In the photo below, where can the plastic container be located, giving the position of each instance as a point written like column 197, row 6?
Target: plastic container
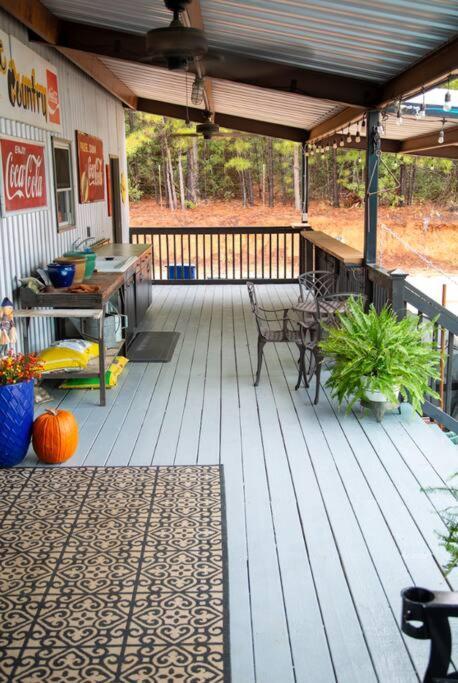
column 61, row 275
column 90, row 260
column 80, row 266
column 180, row 272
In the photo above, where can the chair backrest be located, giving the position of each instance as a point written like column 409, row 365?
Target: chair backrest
column 316, row 283
column 327, row 309
column 253, row 302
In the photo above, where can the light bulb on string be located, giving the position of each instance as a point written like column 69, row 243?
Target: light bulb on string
column 363, row 124
column 441, row 137
column 341, row 143
column 359, row 158
column 358, row 134
column 421, row 113
column 448, row 98
column 334, row 144
column 327, row 147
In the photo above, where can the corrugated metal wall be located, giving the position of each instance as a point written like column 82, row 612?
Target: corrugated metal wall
column 30, row 239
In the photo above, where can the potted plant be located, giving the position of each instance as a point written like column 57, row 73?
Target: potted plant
column 377, row 357
column 17, row 375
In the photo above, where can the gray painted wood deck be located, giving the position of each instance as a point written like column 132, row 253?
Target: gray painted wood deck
column 327, row 518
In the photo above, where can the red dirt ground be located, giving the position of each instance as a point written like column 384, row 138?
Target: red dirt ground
column 429, row 230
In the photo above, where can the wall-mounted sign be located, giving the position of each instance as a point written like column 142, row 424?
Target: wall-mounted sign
column 29, row 86
column 90, row 168
column 23, row 175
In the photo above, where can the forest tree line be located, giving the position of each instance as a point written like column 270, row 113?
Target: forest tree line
column 180, row 171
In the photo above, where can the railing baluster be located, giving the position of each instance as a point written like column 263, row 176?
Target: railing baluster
column 241, row 257
column 219, row 256
column 160, row 257
column 262, row 255
column 248, row 255
column 168, row 257
column 197, row 256
column 449, row 374
column 205, row 255
column 153, row 257
column 233, row 256
column 270, row 255
column 293, row 239
column 256, row 256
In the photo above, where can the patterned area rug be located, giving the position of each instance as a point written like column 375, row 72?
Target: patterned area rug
column 113, row 574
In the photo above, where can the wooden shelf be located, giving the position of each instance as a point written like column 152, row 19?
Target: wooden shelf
column 341, row 251
column 92, row 368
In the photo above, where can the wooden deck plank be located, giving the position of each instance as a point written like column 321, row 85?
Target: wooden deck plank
column 167, row 441
column 144, row 448
column 210, row 428
column 187, row 449
column 310, row 651
column 242, row 629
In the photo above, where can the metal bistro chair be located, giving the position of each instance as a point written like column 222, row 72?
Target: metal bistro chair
column 313, row 284
column 311, row 359
column 264, row 317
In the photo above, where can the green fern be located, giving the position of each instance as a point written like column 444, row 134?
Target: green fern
column 377, row 352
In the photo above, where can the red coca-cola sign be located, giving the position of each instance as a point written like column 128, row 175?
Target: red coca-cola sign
column 24, row 175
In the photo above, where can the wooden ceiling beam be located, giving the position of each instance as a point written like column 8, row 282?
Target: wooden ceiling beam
column 226, row 66
column 429, row 71
column 178, row 111
column 37, row 18
column 422, row 143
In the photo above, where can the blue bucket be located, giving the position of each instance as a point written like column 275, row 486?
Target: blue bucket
column 180, row 272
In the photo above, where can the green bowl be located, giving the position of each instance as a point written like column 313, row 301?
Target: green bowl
column 90, row 260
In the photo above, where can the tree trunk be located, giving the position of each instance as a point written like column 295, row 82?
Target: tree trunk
column 243, row 187
column 249, row 187
column 413, row 177
column 192, row 175
column 402, row 184
column 270, row 172
column 335, row 183
column 173, row 193
column 263, row 185
column 181, row 180
column 297, row 179
column 159, row 183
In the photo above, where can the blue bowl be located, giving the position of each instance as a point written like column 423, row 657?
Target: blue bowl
column 61, row 274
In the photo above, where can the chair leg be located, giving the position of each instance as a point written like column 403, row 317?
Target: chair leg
column 261, row 343
column 301, row 368
column 317, row 379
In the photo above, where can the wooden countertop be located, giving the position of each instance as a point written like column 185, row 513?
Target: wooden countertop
column 108, row 283
column 331, row 245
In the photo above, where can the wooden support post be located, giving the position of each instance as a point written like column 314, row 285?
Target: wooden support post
column 398, row 278
column 371, row 188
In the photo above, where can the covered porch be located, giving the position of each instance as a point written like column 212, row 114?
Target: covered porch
column 327, row 519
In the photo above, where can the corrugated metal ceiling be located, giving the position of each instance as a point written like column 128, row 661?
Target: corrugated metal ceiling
column 230, row 98
column 375, row 39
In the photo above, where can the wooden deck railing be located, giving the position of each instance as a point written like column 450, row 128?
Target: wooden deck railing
column 222, row 255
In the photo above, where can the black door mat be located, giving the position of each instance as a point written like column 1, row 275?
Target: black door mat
column 152, row 347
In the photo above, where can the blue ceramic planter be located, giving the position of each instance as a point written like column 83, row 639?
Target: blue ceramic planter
column 16, row 420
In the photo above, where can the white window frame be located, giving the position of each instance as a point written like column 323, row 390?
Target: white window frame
column 62, row 143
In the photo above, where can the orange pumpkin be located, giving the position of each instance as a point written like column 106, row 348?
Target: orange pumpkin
column 55, row 436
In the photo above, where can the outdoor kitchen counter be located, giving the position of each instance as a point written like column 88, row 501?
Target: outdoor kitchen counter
column 108, row 282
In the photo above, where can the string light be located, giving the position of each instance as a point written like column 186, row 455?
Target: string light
column 441, row 137
column 334, row 144
column 399, row 114
column 327, row 147
column 341, row 143
column 358, row 134
column 363, row 125
column 448, row 98
column 421, row 113
column 359, row 160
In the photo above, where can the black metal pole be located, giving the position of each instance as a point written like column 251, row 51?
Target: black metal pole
column 304, row 185
column 371, row 187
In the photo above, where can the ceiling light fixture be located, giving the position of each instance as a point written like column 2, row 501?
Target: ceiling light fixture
column 448, row 98
column 197, row 92
column 441, row 137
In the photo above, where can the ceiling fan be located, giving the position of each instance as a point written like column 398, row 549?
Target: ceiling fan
column 176, row 44
column 180, row 47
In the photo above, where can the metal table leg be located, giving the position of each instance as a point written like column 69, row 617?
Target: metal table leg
column 103, row 390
